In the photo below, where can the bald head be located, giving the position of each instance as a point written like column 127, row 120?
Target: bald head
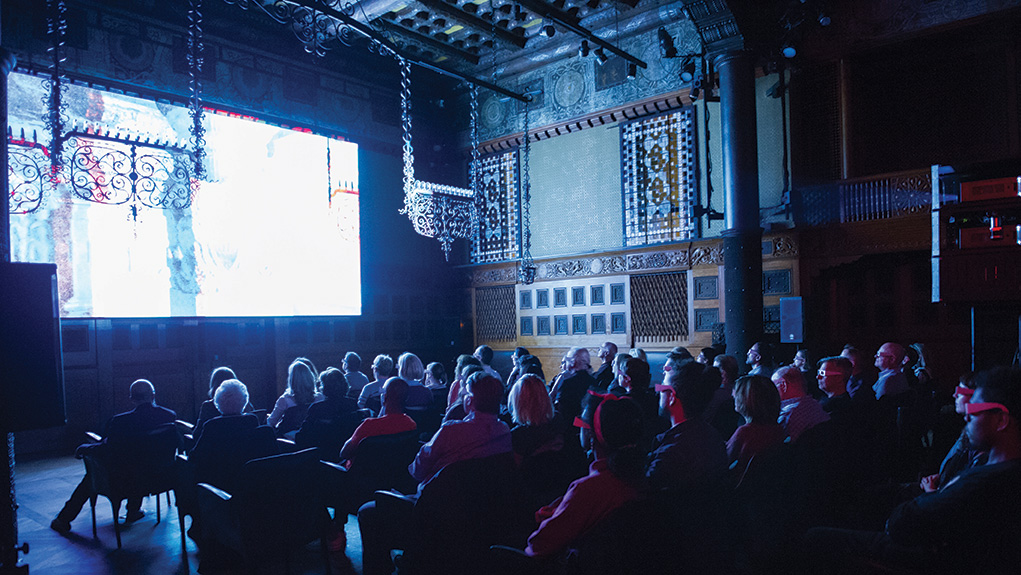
column 890, row 356
column 142, row 391
column 578, row 359
column 394, row 394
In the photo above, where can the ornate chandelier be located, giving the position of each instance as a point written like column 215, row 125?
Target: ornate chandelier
column 437, row 211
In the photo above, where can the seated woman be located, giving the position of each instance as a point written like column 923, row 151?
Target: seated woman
column 456, row 410
column 758, row 401
column 229, row 440
column 436, row 376
column 208, row 409
column 330, row 421
column 535, row 427
column 294, row 402
column 612, row 480
column 411, row 370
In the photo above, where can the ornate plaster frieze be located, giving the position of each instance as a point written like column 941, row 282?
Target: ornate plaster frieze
column 784, row 246
column 707, row 255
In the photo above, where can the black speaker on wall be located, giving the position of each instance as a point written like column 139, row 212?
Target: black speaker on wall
column 792, row 326
column 31, row 366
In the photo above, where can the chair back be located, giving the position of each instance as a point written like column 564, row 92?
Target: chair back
column 329, row 435
column 292, row 419
column 381, row 463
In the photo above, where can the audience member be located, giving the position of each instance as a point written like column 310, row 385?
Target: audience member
column 456, row 411
column 382, row 368
column 356, row 380
column 758, row 401
column 331, row 420
column 121, row 445
column 639, row 353
column 228, row 440
column 860, row 380
column 535, row 429
column 611, row 482
column 411, row 370
column 208, row 410
column 516, row 371
column 691, row 453
column 962, row 456
column 804, row 363
column 394, row 420
column 294, row 402
column 484, row 353
column 891, row 383
column 707, row 355
column 798, row 411
column 760, row 357
column 980, row 510
column 531, row 364
column 463, row 361
column 727, row 364
column 635, row 381
column 604, row 376
column 681, row 351
column 436, row 376
column 315, row 375
column 569, row 391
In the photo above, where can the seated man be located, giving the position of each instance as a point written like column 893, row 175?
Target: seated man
column 382, row 367
column 576, row 380
column 394, row 420
column 691, row 452
column 331, row 420
column 604, row 376
column 356, row 380
column 799, row 412
column 971, row 525
column 479, row 434
column 120, row 445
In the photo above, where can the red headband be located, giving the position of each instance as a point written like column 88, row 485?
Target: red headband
column 596, row 426
column 965, row 391
column 973, row 408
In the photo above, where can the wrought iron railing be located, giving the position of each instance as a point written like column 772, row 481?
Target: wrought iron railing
column 864, row 199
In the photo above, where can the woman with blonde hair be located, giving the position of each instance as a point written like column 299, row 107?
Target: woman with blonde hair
column 532, row 410
column 300, row 393
column 411, row 370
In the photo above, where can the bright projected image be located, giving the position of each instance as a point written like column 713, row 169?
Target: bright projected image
column 272, row 228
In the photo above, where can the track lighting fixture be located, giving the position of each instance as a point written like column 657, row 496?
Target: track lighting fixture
column 548, row 30
column 583, row 51
column 601, row 55
column 666, row 44
column 632, row 70
column 789, row 51
column 696, row 89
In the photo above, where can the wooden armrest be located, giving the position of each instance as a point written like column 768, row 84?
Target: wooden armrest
column 334, row 466
column 185, row 426
column 393, row 496
column 286, row 445
column 182, row 458
column 216, row 491
column 92, row 435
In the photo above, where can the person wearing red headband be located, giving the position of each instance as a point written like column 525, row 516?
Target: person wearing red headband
column 961, row 456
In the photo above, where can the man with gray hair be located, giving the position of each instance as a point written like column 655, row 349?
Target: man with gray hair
column 120, row 445
column 228, row 441
column 571, row 388
column 382, row 368
column 799, row 412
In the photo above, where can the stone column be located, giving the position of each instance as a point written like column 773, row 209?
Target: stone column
column 742, row 238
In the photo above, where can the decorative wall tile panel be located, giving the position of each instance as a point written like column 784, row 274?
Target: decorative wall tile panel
column 771, row 319
column 706, row 318
column 616, row 294
column 659, row 180
column 776, row 282
column 598, row 323
column 495, row 318
column 542, row 298
column 659, row 306
column 543, row 325
column 499, row 236
column 578, row 295
column 560, row 325
column 598, row 295
column 707, row 287
column 618, row 323
column 526, row 299
column 579, row 324
column 559, row 297
column 526, row 326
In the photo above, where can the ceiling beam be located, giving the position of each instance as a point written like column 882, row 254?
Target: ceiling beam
column 475, row 22
column 572, row 24
column 429, row 41
column 388, row 45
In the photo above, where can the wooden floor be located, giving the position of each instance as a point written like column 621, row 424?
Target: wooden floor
column 148, row 548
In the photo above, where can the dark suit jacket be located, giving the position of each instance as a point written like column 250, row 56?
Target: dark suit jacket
column 604, row 376
column 572, row 390
column 125, row 432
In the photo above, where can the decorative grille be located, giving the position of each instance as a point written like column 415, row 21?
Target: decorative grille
column 659, row 179
column 659, row 307
column 28, row 168
column 499, row 237
column 495, row 318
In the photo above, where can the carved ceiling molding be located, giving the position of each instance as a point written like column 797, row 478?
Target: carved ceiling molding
column 642, row 108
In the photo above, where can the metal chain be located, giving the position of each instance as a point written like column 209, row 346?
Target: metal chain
column 474, row 169
column 409, row 152
column 527, row 272
column 56, row 29
column 195, row 61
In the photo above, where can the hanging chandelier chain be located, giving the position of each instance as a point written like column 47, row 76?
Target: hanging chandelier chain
column 56, row 30
column 409, row 152
column 527, row 271
column 195, row 61
column 474, row 169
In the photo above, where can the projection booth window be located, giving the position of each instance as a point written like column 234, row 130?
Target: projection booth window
column 499, row 237
column 658, row 178
column 134, row 234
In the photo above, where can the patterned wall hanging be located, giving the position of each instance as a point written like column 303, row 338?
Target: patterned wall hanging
column 659, row 307
column 495, row 317
column 499, row 236
column 659, row 178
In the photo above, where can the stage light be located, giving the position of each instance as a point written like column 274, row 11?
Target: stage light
column 688, row 70
column 696, row 89
column 789, row 51
column 666, row 44
column 632, row 70
column 601, row 55
column 824, row 20
column 548, row 30
column 584, row 49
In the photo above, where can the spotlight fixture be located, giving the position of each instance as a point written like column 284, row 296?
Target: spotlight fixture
column 548, row 30
column 601, row 55
column 584, row 50
column 789, row 51
column 666, row 44
column 696, row 89
column 688, row 70
column 519, row 13
column 632, row 70
column 824, row 19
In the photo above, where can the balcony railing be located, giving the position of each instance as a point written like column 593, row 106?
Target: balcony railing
column 878, row 197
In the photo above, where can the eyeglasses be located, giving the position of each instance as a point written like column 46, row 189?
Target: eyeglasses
column 964, row 391
column 976, row 408
column 660, row 388
column 824, row 373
